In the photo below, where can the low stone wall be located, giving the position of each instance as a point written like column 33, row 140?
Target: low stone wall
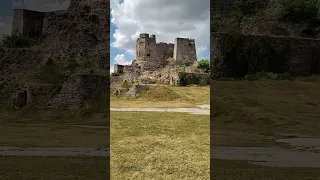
column 235, row 55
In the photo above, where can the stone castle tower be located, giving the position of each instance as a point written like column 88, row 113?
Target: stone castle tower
column 151, row 55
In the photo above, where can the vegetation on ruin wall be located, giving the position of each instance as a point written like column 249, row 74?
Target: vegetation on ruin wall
column 185, row 79
column 241, row 8
column 300, row 9
column 204, row 64
column 243, row 55
column 17, row 41
column 292, row 10
column 187, row 63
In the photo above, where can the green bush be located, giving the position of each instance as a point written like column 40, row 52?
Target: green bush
column 249, row 7
column 50, row 73
column 72, row 64
column 300, row 9
column 16, row 41
column 171, row 61
column 187, row 63
column 285, row 76
column 115, row 74
column 204, row 64
column 186, row 80
column 252, row 77
column 126, row 85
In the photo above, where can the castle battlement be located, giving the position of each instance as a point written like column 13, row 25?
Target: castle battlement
column 154, row 55
column 144, row 35
column 27, row 23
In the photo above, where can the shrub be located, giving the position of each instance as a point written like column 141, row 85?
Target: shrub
column 204, row 64
column 252, row 77
column 224, row 79
column 126, row 85
column 300, row 9
column 50, row 73
column 187, row 63
column 115, row 74
column 87, row 63
column 73, row 64
column 188, row 80
column 249, row 7
column 285, row 76
column 171, row 61
column 15, row 41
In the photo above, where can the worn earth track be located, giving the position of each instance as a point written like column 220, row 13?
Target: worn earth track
column 202, row 110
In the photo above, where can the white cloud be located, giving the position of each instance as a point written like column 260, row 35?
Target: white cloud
column 121, row 59
column 166, row 19
column 111, row 69
column 5, row 29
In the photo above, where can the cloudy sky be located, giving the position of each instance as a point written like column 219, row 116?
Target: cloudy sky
column 167, row 19
column 7, row 6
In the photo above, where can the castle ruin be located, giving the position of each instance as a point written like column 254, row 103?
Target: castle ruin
column 264, row 46
column 27, row 23
column 75, row 35
column 151, row 55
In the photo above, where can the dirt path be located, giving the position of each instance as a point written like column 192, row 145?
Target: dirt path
column 202, row 110
column 51, row 152
column 305, row 152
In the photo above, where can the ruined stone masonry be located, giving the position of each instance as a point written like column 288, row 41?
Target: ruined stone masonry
column 151, row 55
column 298, row 56
column 80, row 32
column 263, row 44
column 27, row 23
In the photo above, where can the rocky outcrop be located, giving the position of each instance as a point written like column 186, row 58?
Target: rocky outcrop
column 136, row 89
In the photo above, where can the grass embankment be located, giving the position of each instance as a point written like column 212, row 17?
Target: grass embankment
column 159, row 146
column 164, row 97
column 255, row 113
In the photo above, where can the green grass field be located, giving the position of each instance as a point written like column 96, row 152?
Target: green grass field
column 159, row 146
column 255, row 113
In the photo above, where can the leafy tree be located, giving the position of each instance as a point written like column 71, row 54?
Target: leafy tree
column 204, row 64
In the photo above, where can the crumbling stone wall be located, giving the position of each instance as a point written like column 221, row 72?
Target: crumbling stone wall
column 184, row 49
column 79, row 91
column 118, row 68
column 27, row 23
column 239, row 55
column 81, row 33
column 164, row 51
column 221, row 8
column 151, row 55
